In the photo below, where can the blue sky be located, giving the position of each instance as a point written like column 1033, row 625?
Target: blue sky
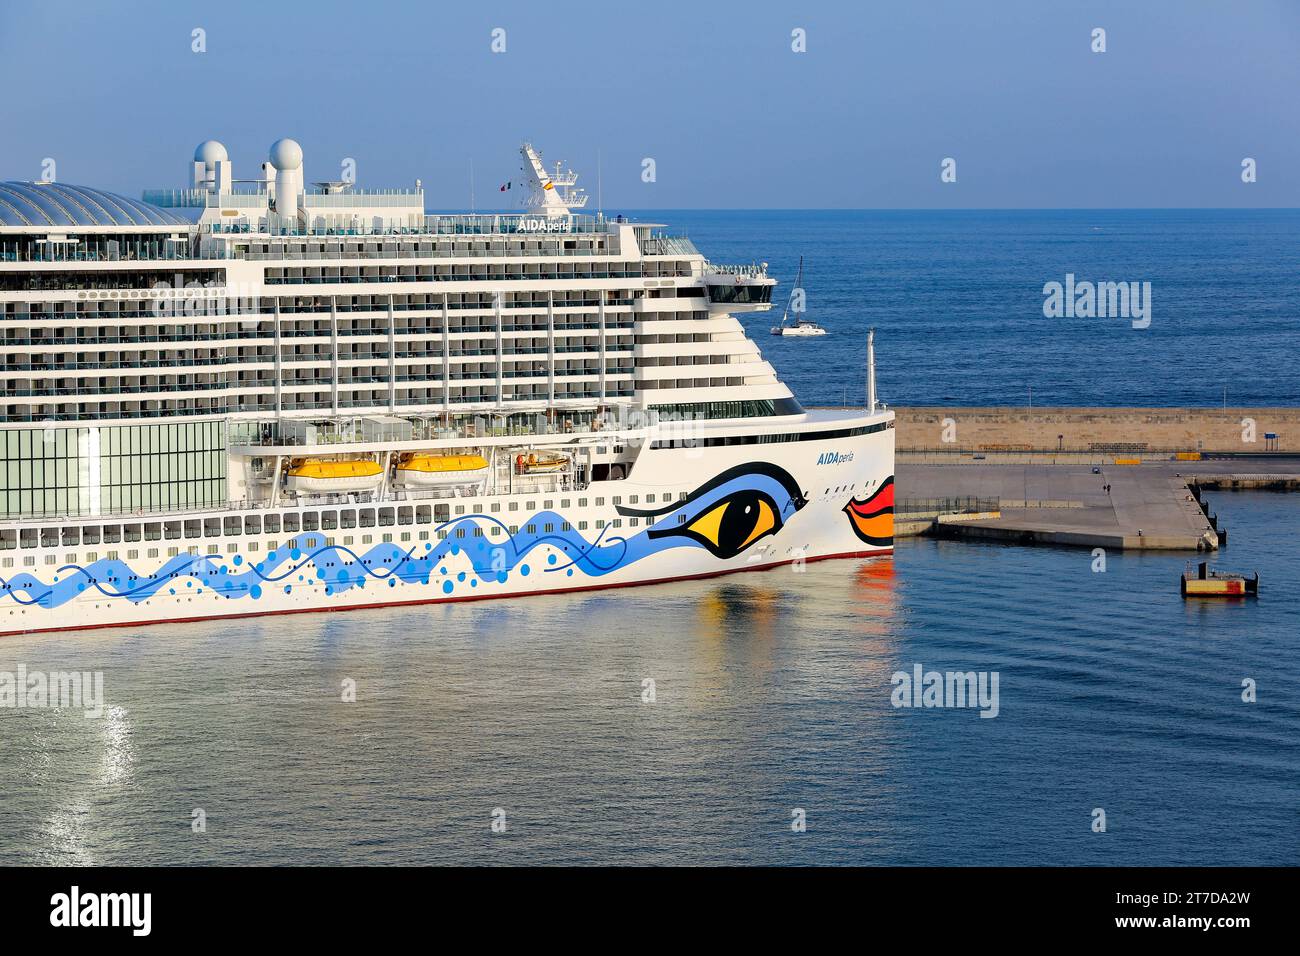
column 732, row 117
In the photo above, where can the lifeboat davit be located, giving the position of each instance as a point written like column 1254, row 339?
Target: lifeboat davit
column 425, row 471
column 316, row 476
column 546, row 464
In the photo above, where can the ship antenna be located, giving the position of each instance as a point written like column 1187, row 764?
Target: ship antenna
column 871, row 369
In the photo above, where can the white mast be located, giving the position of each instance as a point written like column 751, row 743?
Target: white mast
column 871, row 369
column 796, row 288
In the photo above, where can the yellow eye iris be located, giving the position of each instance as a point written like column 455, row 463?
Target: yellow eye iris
column 734, row 523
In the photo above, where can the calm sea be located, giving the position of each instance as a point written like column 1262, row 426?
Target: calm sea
column 957, row 302
column 772, row 694
column 772, row 689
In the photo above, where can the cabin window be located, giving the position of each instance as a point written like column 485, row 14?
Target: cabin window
column 329, row 520
column 194, row 529
column 423, row 514
column 405, row 515
column 385, row 517
column 131, row 532
column 348, row 518
column 291, row 525
column 113, row 534
column 310, row 521
column 367, row 517
column 253, row 524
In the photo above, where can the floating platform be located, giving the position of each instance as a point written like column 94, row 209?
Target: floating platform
column 1206, row 583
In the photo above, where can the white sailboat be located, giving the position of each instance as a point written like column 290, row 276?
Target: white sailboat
column 800, row 326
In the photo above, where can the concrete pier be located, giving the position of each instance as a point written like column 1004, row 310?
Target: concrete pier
column 1069, row 505
column 1103, row 432
column 1033, row 472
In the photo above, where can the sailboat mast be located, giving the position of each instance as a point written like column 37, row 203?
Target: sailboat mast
column 798, row 283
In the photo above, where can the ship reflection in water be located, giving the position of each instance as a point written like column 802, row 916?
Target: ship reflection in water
column 685, row 723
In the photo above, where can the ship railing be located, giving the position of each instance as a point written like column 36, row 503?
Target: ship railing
column 667, row 246
column 921, row 507
column 754, row 270
column 563, row 482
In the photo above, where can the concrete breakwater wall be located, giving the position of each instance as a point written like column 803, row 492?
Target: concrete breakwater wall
column 1115, row 431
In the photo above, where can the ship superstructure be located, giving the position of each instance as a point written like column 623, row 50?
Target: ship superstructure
column 255, row 396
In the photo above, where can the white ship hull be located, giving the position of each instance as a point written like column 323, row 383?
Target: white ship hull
column 632, row 431
column 746, row 507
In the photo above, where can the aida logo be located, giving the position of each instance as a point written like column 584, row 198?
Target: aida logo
column 544, row 225
column 835, row 458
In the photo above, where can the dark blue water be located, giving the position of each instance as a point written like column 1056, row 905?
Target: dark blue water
column 957, row 301
column 772, row 694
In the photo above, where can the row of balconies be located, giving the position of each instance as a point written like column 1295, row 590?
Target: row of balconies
column 19, row 364
column 474, row 375
column 430, row 401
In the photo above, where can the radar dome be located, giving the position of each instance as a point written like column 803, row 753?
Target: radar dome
column 286, row 154
column 211, row 151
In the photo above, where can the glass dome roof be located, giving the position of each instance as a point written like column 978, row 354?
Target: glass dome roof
column 61, row 204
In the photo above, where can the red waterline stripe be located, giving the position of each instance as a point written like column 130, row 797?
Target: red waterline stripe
column 449, row 600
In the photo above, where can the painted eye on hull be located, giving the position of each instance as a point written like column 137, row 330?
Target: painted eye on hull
column 734, row 523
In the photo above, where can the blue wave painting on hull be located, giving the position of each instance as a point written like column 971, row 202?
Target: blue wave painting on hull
column 724, row 516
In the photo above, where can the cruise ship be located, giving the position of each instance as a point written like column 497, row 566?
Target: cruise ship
column 265, row 396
